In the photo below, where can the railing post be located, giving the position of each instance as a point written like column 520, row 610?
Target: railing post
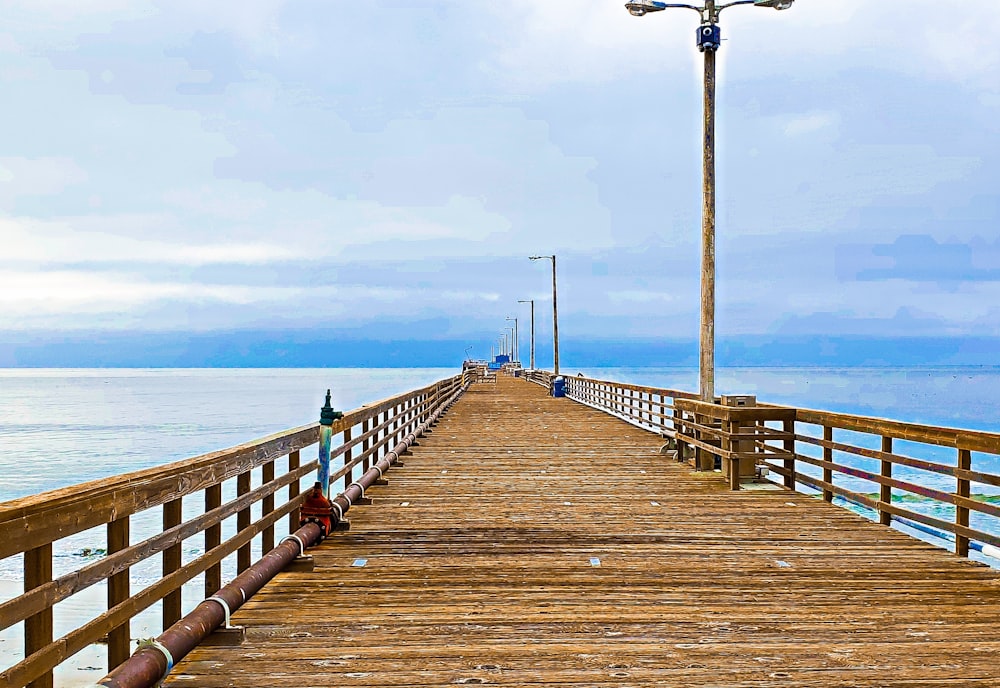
column 294, row 462
column 885, row 491
column 172, row 516
column 678, row 428
column 962, row 512
column 266, row 507
column 348, row 456
column 38, row 628
column 243, row 522
column 118, row 592
column 731, row 446
column 213, row 538
column 788, row 427
column 828, row 456
column 365, row 445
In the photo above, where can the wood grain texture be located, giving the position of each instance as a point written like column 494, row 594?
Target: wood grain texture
column 479, row 570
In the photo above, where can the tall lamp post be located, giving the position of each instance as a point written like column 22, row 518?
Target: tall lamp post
column 709, row 38
column 555, row 315
column 517, row 341
column 532, row 348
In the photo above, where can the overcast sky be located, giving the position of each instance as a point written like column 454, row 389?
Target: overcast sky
column 387, row 166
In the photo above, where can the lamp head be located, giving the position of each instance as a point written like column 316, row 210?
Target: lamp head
column 776, row 4
column 638, row 8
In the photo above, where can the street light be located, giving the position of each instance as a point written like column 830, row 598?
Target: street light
column 517, row 341
column 555, row 314
column 709, row 38
column 532, row 349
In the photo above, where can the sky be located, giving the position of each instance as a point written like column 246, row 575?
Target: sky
column 381, row 170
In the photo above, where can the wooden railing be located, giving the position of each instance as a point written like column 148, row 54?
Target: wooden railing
column 31, row 525
column 539, row 377
column 650, row 408
column 859, row 459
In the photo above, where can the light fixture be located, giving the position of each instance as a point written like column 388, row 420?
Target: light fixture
column 776, row 4
column 637, row 9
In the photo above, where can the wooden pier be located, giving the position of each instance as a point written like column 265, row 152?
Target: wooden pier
column 535, row 540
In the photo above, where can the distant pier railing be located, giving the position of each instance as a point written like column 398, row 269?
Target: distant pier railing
column 31, row 525
column 822, row 451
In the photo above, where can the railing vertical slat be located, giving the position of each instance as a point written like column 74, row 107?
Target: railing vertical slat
column 729, row 427
column 118, row 592
column 365, row 445
column 294, row 461
column 788, row 426
column 348, row 456
column 213, row 538
column 266, row 507
column 38, row 628
column 172, row 513
column 243, row 522
column 828, row 456
column 885, row 491
column 963, row 489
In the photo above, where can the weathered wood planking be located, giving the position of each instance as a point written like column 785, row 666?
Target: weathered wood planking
column 486, row 576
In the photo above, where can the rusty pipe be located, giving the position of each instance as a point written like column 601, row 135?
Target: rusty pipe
column 149, row 665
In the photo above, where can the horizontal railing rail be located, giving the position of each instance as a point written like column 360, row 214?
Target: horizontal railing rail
column 31, row 525
column 942, row 481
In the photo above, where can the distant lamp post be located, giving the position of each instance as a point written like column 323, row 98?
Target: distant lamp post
column 555, row 315
column 517, row 341
column 708, row 38
column 531, row 351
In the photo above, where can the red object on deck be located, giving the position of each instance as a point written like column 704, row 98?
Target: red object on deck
column 317, row 509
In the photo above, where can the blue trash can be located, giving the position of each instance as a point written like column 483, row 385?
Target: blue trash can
column 559, row 387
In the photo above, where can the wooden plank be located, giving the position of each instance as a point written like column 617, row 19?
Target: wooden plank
column 118, row 592
column 963, row 491
column 885, row 487
column 172, row 515
column 294, row 460
column 266, row 507
column 243, row 522
column 213, row 538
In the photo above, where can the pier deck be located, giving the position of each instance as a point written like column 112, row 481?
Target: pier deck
column 534, row 540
